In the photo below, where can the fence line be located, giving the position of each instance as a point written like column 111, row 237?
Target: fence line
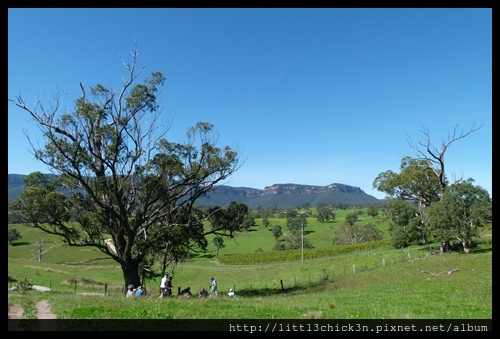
column 398, row 256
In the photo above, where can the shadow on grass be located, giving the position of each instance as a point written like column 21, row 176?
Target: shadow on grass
column 481, row 250
column 263, row 292
column 19, row 243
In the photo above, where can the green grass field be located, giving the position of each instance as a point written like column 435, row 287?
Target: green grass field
column 410, row 283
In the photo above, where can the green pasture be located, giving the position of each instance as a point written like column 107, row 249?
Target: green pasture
column 410, row 283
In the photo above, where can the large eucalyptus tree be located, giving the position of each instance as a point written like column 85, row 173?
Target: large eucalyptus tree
column 119, row 184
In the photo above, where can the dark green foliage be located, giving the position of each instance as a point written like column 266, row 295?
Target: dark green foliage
column 293, row 241
column 24, row 285
column 325, row 213
column 13, row 235
column 404, row 220
column 295, row 222
column 462, row 209
column 277, row 232
column 351, row 218
column 372, row 211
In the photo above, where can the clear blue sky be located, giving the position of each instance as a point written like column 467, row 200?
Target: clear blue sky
column 307, row 96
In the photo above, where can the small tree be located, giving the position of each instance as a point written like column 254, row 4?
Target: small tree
column 296, row 222
column 277, row 232
column 295, row 241
column 218, row 243
column 265, row 222
column 325, row 213
column 348, row 234
column 460, row 211
column 13, row 235
column 351, row 218
column 40, row 250
column 371, row 233
column 372, row 211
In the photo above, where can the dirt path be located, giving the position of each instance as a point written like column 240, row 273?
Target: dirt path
column 42, row 311
column 15, row 311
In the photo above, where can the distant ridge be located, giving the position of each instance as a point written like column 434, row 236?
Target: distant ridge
column 287, row 196
column 277, row 195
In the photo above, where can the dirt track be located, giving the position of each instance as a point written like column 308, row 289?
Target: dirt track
column 42, row 311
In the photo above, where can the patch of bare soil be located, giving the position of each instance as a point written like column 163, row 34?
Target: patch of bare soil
column 42, row 311
column 15, row 311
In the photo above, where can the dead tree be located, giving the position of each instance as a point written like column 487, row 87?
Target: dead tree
column 435, row 155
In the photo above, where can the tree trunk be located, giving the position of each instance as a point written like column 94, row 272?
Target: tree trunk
column 422, row 235
column 131, row 274
column 445, row 247
column 466, row 245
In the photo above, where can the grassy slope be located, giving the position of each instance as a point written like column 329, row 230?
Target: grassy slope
column 405, row 288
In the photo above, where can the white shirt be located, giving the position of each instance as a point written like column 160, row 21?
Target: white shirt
column 163, row 283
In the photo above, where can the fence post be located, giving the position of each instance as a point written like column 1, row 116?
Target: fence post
column 281, row 282
column 353, row 269
column 383, row 262
column 105, row 289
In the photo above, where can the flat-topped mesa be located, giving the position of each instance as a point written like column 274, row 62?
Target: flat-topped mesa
column 308, row 189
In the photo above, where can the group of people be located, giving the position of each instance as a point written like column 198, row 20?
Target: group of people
column 213, row 290
column 166, row 289
column 135, row 292
column 166, row 286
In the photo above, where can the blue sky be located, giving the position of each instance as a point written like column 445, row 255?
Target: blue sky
column 307, row 96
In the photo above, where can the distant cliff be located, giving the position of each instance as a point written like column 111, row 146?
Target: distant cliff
column 287, row 195
column 279, row 195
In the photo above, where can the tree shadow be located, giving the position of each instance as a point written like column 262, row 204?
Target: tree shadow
column 19, row 243
column 262, row 292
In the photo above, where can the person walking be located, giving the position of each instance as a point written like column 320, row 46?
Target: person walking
column 163, row 284
column 168, row 287
column 213, row 288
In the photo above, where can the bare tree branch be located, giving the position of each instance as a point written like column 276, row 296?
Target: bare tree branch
column 435, row 155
